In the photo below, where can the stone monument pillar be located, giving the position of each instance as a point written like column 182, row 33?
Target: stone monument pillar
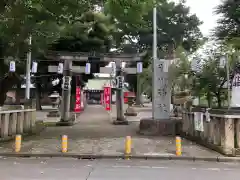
column 160, row 123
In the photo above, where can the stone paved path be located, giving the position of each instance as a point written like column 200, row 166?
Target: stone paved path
column 95, row 134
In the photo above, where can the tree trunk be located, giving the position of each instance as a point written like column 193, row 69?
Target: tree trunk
column 38, row 96
column 209, row 100
column 219, row 101
column 2, row 98
column 4, row 87
column 18, row 94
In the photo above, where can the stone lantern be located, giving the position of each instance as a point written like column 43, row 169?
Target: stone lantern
column 55, row 100
column 130, row 111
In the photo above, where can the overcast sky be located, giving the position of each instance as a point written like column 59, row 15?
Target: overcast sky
column 204, row 9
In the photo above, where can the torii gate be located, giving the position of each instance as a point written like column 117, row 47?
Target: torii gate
column 68, row 57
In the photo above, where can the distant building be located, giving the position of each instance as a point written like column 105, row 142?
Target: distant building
column 95, row 87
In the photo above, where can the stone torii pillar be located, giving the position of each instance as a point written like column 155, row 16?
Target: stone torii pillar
column 68, row 58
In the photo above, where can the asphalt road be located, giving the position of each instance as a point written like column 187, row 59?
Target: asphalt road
column 74, row 169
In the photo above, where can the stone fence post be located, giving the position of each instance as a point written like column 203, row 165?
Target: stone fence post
column 220, row 129
column 18, row 121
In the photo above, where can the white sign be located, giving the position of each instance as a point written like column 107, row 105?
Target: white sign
column 119, row 81
column 139, row 67
column 55, row 82
column 235, row 101
column 207, row 115
column 88, row 68
column 12, row 66
column 66, row 82
column 222, row 62
column 60, row 68
column 165, row 64
column 34, row 67
column 198, row 121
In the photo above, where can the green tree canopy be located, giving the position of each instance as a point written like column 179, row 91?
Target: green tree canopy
column 176, row 28
column 228, row 28
column 92, row 31
column 211, row 82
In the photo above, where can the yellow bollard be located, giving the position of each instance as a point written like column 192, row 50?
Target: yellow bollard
column 178, row 146
column 18, row 141
column 64, row 143
column 128, row 146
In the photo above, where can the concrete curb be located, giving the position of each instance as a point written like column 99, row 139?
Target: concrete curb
column 143, row 157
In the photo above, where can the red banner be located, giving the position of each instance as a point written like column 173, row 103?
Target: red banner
column 125, row 97
column 126, row 94
column 78, row 99
column 107, row 98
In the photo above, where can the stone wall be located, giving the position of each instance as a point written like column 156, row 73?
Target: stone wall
column 18, row 121
column 218, row 130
